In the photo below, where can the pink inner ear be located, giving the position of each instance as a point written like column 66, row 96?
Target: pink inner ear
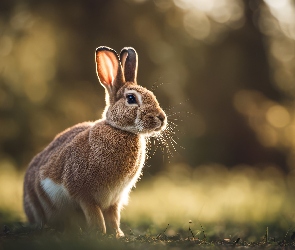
column 107, row 67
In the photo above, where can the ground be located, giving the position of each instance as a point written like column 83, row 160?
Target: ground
column 180, row 208
column 17, row 235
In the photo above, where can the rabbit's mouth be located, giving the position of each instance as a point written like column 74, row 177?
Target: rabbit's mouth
column 156, row 124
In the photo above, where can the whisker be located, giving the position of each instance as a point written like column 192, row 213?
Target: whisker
column 168, row 141
column 156, row 84
column 166, row 146
column 154, row 87
column 173, row 114
column 177, row 104
column 172, row 142
column 173, row 123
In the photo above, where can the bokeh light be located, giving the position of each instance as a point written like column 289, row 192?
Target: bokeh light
column 222, row 69
column 278, row 23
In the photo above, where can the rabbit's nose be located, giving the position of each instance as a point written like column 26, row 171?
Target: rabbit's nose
column 162, row 117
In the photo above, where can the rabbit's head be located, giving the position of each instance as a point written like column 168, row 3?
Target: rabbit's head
column 130, row 107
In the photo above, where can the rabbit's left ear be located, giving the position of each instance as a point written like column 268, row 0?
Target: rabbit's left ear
column 109, row 70
column 129, row 61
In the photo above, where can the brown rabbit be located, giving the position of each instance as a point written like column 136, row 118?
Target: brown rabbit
column 92, row 166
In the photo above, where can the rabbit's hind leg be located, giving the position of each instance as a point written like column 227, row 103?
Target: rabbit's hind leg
column 34, row 210
column 94, row 216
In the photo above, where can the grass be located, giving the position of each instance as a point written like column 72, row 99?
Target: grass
column 210, row 206
column 20, row 236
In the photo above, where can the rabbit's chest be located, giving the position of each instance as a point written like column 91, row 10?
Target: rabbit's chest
column 118, row 156
column 120, row 175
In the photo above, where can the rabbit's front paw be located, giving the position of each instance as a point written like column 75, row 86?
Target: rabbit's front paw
column 119, row 233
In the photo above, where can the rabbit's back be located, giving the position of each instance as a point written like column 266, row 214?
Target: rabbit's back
column 56, row 147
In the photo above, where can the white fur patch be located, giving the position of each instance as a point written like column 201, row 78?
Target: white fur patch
column 138, row 123
column 57, row 193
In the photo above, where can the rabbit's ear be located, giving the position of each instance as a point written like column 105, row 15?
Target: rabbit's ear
column 129, row 60
column 108, row 68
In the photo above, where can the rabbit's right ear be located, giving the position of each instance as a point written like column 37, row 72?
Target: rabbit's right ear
column 129, row 60
column 109, row 69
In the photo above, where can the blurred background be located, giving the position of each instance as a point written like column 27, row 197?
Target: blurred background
column 223, row 69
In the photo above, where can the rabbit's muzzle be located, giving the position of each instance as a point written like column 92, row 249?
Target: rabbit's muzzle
column 158, row 122
column 163, row 119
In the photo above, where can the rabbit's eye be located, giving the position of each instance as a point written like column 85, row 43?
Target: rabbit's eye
column 131, row 99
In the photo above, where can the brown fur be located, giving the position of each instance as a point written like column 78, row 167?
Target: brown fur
column 91, row 167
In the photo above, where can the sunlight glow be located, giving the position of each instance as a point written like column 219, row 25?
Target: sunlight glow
column 278, row 116
column 278, row 23
column 211, row 193
column 197, row 25
column 201, row 17
column 273, row 123
column 179, row 193
column 284, row 12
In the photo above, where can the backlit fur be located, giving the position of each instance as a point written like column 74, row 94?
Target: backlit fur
column 91, row 167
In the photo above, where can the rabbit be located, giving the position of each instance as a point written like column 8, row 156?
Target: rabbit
column 91, row 167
